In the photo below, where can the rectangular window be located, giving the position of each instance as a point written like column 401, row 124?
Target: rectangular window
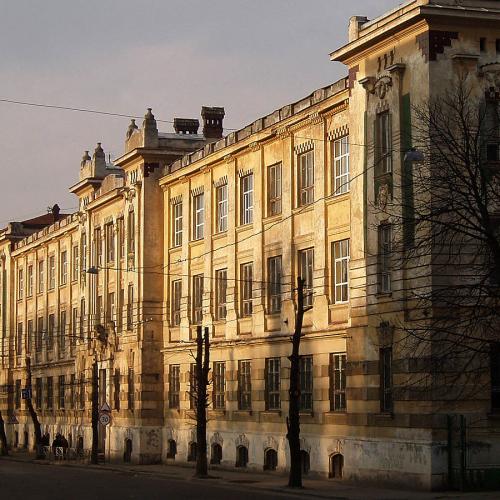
column 130, row 307
column 50, row 331
column 52, row 272
column 110, row 242
column 83, row 313
column 20, row 284
column 19, row 339
column 274, row 189
column 221, row 201
column 120, row 306
column 273, row 397
column 244, row 385
column 62, row 331
column 116, row 389
column 121, row 237
column 219, row 379
column 482, row 44
column 38, row 393
column 192, row 386
column 306, row 178
column 61, row 394
column 198, row 299
column 29, row 291
column 495, row 376
column 174, row 386
column 220, row 293
column 83, row 253
column 341, row 270
column 98, row 310
column 131, row 233
column 82, row 392
column 177, row 224
column 176, row 302
column 306, row 383
column 337, row 381
column 75, row 263
column 386, row 379
column 29, row 336
column 41, row 276
column 198, row 216
column 64, row 268
column 50, row 393
column 247, row 199
column 341, row 165
column 17, row 394
column 384, row 258
column 384, row 143
column 274, row 284
column 98, row 248
column 111, row 308
column 74, row 325
column 131, row 389
column 39, row 334
column 246, row 289
column 306, row 265
column 72, row 384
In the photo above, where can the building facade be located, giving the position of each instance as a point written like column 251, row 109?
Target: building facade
column 186, row 230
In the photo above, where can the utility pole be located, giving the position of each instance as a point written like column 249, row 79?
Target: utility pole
column 202, row 369
column 32, row 412
column 95, row 412
column 293, row 419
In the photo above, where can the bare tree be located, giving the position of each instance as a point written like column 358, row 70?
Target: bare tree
column 32, row 411
column 293, row 419
column 446, row 244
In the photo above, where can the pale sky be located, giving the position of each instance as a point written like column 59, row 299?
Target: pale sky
column 250, row 56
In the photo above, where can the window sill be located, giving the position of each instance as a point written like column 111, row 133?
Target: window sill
column 273, row 218
column 219, row 236
column 244, row 227
column 384, row 295
column 194, row 243
column 336, row 198
column 176, row 248
column 303, row 209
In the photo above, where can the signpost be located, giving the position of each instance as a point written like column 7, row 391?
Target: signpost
column 104, row 419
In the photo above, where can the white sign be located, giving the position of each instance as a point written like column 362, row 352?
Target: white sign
column 105, row 408
column 104, row 419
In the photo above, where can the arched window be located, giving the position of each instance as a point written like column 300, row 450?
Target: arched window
column 241, row 456
column 127, row 454
column 172, row 448
column 270, row 459
column 193, row 452
column 216, row 457
column 305, row 462
column 336, row 465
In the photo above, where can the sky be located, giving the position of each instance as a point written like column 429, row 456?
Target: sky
column 123, row 56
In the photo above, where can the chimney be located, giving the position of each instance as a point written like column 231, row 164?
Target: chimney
column 355, row 24
column 186, row 125
column 212, row 122
column 55, row 210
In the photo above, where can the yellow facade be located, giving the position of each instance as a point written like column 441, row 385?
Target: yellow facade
column 187, row 229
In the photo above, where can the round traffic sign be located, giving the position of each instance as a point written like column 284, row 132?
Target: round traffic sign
column 104, row 419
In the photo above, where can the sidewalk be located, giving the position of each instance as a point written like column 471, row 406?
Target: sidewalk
column 269, row 482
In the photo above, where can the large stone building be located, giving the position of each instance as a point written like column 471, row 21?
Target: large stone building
column 186, row 230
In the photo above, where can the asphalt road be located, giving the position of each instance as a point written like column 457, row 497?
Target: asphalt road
column 26, row 481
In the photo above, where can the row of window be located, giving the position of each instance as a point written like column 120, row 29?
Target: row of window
column 101, row 246
column 305, row 193
column 272, row 384
column 247, row 285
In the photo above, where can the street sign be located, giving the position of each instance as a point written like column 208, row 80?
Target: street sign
column 26, row 393
column 105, row 408
column 104, row 419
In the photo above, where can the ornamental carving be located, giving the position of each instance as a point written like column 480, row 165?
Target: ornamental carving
column 270, row 442
column 216, row 439
column 382, row 196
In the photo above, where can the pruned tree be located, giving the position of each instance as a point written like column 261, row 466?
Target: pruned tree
column 33, row 414
column 446, row 245
column 293, row 419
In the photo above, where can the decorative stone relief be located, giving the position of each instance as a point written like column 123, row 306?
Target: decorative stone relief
column 216, row 439
column 382, row 196
column 270, row 442
column 242, row 440
column 305, row 445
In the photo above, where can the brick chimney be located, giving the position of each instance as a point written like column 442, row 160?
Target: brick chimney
column 186, row 125
column 212, row 122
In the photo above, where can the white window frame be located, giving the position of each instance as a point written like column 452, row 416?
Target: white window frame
column 306, row 178
column 306, row 272
column 177, row 224
column 341, row 258
column 274, row 189
column 198, row 216
column 246, row 183
column 222, row 208
column 341, row 165
column 64, row 267
column 20, row 283
column 221, row 294
column 246, row 286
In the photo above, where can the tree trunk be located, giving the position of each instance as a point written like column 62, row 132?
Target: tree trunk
column 202, row 368
column 3, row 437
column 32, row 412
column 95, row 413
column 293, row 420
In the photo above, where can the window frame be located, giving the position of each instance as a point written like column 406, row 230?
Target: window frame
column 305, row 163
column 197, row 299
column 246, row 199
column 219, row 385
column 341, row 172
column 273, row 384
column 198, row 217
column 221, row 293
column 244, row 385
column 274, row 189
column 384, row 234
column 386, row 380
column 175, row 304
column 274, row 276
column 177, row 222
column 338, row 363
column 384, row 142
column 174, row 386
column 306, row 272
column 340, row 263
column 306, row 379
column 246, row 289
column 221, row 202
column 63, row 272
